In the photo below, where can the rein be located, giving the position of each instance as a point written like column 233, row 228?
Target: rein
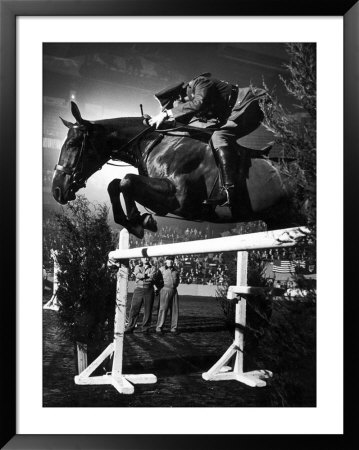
column 134, row 139
column 183, row 127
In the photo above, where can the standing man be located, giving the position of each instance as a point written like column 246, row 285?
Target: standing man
column 144, row 293
column 168, row 296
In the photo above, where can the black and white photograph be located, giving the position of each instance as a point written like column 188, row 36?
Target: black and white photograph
column 173, row 223
column 179, row 240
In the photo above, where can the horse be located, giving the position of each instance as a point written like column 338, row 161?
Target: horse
column 176, row 173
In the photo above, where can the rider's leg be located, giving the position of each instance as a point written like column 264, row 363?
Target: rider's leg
column 239, row 124
column 226, row 157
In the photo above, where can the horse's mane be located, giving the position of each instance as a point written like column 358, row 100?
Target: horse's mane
column 182, row 131
column 118, row 122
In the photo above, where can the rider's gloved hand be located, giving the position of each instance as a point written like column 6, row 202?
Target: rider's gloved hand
column 159, row 119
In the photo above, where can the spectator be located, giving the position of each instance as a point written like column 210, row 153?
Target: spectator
column 144, row 293
column 168, row 296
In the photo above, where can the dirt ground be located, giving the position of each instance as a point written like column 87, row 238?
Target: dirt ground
column 178, row 361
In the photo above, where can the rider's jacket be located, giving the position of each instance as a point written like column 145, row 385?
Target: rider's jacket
column 208, row 98
column 212, row 98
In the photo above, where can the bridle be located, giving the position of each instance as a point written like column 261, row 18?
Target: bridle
column 77, row 178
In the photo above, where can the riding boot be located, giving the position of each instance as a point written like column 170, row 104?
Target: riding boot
column 226, row 159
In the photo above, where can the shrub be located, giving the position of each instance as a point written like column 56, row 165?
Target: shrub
column 295, row 130
column 86, row 288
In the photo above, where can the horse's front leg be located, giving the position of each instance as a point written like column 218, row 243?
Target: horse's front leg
column 114, row 190
column 158, row 194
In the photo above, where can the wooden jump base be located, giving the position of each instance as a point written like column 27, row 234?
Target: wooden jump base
column 220, row 371
column 118, row 380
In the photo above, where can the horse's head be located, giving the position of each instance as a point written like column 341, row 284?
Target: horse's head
column 82, row 154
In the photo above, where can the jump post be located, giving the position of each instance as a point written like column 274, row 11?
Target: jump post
column 220, row 370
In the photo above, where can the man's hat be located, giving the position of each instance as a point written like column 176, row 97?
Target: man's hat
column 204, row 74
column 169, row 258
column 167, row 96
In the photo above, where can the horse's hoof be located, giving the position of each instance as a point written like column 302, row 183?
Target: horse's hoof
column 136, row 230
column 149, row 223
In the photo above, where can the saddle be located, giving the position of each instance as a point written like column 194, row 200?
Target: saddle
column 204, row 134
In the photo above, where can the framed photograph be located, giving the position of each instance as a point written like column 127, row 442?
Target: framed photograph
column 90, row 87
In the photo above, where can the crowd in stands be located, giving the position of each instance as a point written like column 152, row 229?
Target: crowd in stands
column 169, row 235
column 47, row 179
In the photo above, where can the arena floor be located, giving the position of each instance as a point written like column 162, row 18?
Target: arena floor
column 287, row 348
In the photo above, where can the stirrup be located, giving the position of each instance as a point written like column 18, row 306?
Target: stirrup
column 228, row 201
column 219, row 202
column 213, row 201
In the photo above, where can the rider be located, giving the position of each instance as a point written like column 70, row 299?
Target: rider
column 209, row 98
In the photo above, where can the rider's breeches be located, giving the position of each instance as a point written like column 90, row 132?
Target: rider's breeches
column 238, row 126
column 224, row 138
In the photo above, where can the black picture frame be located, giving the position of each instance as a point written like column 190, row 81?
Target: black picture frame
column 9, row 10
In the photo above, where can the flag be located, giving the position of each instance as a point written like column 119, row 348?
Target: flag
column 280, row 266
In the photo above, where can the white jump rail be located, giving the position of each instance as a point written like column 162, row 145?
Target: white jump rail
column 221, row 370
column 244, row 242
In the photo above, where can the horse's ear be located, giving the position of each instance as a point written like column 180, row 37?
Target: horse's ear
column 66, row 123
column 76, row 113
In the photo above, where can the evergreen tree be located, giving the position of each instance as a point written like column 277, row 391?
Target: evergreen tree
column 295, row 130
column 87, row 288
